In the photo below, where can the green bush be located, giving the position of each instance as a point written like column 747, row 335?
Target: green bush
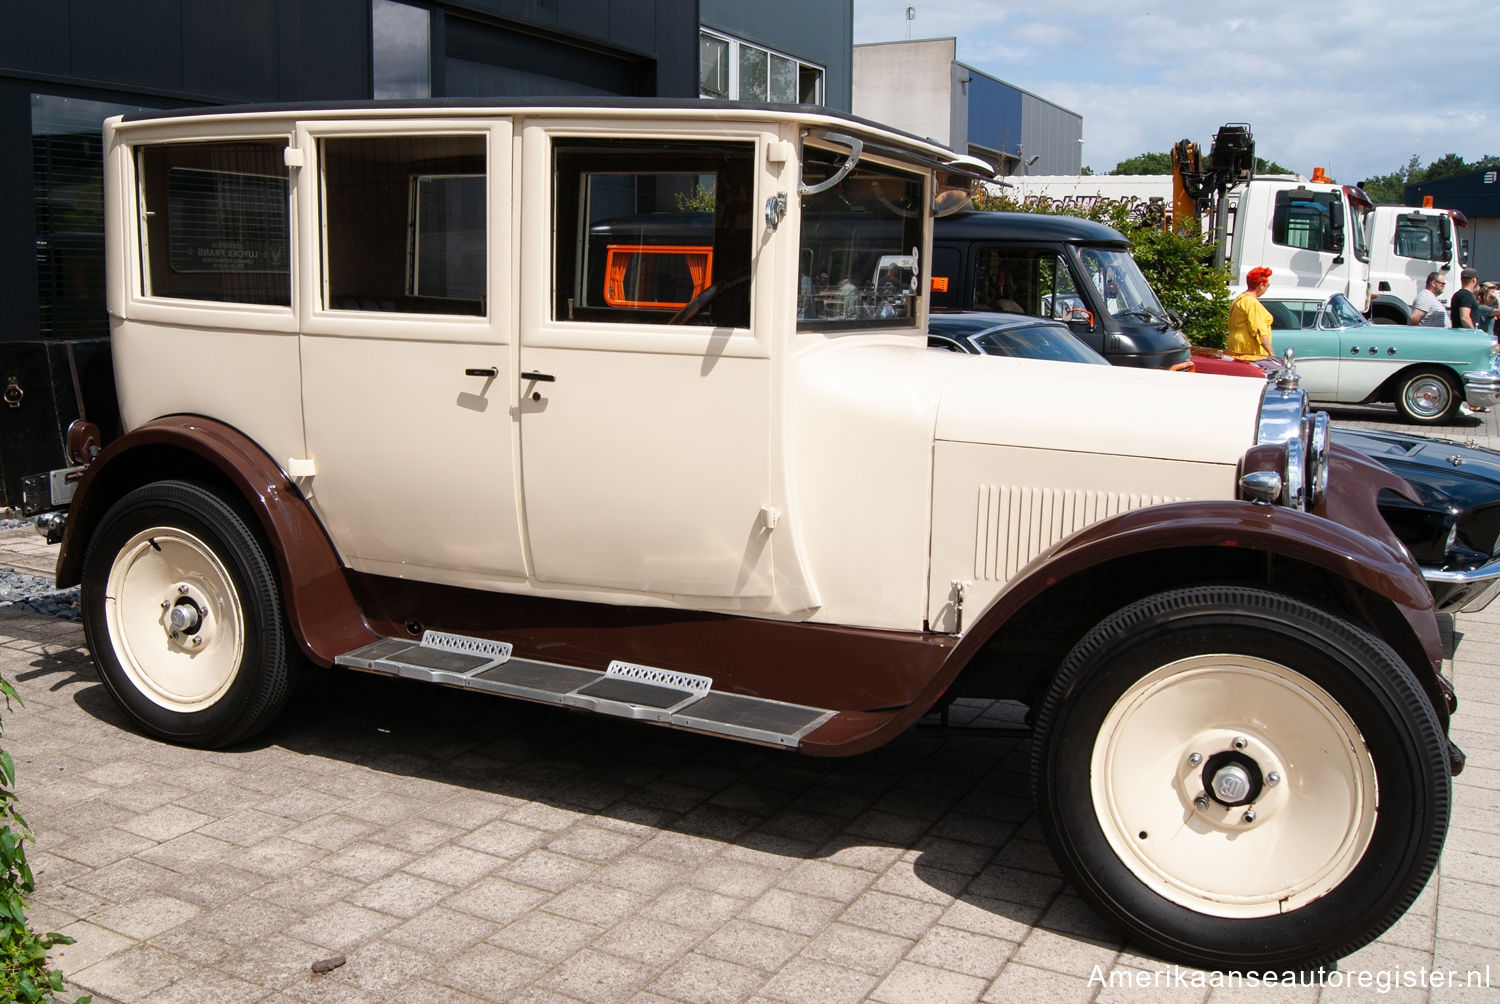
column 24, row 975
column 1179, row 265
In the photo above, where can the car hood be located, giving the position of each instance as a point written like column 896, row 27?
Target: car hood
column 1442, row 471
column 1101, row 410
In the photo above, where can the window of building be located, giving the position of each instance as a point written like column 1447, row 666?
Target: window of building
column 731, row 68
column 662, row 232
column 68, row 194
column 214, row 221
column 404, row 223
column 400, row 50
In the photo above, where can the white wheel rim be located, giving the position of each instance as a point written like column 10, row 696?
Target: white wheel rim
column 1427, row 396
column 1308, row 830
column 156, row 571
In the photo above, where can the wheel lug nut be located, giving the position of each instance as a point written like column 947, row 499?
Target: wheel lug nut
column 165, row 604
column 1249, row 815
column 1193, row 758
column 197, row 639
column 1240, row 742
column 182, row 590
column 1200, row 803
column 1273, row 778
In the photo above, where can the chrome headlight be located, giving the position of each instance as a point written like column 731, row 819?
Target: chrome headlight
column 1285, row 421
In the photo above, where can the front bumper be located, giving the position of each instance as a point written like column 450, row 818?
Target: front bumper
column 1463, row 591
column 1482, row 388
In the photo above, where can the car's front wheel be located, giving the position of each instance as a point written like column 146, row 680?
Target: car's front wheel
column 1241, row 780
column 1428, row 396
column 183, row 616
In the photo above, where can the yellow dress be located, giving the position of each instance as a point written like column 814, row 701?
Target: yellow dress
column 1249, row 328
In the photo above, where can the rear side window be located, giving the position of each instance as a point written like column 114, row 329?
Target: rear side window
column 643, row 230
column 404, row 224
column 214, row 222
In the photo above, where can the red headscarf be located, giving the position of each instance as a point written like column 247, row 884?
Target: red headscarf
column 1257, row 275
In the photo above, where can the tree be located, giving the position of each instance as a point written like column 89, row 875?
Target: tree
column 1145, row 163
column 1390, row 189
column 1263, row 166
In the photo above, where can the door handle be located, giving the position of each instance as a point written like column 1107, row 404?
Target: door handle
column 539, row 377
column 482, row 371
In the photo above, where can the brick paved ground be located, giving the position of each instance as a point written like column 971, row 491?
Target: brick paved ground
column 455, row 847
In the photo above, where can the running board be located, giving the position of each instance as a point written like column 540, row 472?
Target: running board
column 625, row 690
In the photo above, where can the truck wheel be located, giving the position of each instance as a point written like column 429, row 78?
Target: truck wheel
column 182, row 614
column 1240, row 780
column 1428, row 396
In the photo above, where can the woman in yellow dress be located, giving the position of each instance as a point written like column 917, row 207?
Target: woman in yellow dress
column 1249, row 322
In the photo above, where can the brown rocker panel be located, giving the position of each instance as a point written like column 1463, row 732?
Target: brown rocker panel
column 1346, row 551
column 821, row 665
column 319, row 603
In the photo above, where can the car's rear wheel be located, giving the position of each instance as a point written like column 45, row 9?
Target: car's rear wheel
column 182, row 613
column 1428, row 396
column 1241, row 780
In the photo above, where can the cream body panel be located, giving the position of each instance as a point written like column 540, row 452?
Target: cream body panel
column 245, row 378
column 415, row 460
column 645, row 466
column 1100, row 410
column 997, row 508
column 859, row 460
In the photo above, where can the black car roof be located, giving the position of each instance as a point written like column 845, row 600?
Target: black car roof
column 974, row 321
column 979, row 226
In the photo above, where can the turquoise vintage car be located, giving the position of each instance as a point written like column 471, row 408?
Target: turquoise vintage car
column 1342, row 357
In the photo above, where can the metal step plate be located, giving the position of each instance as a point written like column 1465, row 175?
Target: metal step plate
column 624, row 690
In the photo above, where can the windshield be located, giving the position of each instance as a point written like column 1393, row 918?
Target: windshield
column 860, row 262
column 1122, row 288
column 1037, row 341
column 1338, row 312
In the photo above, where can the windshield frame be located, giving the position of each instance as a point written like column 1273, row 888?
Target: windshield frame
column 872, row 228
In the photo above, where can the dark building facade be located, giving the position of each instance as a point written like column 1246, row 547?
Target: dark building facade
column 65, row 65
column 1477, row 196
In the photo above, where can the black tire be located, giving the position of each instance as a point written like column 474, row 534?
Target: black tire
column 173, row 548
column 1189, row 672
column 1428, row 396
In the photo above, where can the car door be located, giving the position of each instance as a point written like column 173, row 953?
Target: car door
column 1316, row 351
column 407, row 375
column 645, row 443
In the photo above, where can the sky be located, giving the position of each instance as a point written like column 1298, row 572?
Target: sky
column 1354, row 86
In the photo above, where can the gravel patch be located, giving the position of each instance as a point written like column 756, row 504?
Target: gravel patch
column 39, row 595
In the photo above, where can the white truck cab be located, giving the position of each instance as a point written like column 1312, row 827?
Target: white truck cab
column 1311, row 234
column 439, row 391
column 1408, row 243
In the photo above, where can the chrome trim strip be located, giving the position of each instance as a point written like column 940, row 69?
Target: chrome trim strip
column 1487, row 576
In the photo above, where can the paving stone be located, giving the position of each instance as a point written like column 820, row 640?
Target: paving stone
column 495, row 899
column 653, row 942
column 753, row 945
column 164, row 823
column 696, row 909
column 596, row 904
column 307, row 889
column 503, row 838
column 912, row 983
column 598, row 978
column 147, row 916
column 547, row 871
column 132, row 974
column 188, row 853
column 453, row 865
column 401, row 895
column 792, row 911
column 546, row 936
column 247, row 827
column 1063, row 954
column 207, row 985
column 91, row 943
column 381, row 969
column 1018, row 982
column 492, row 973
column 905, row 918
column 330, row 832
column 809, row 980
column 364, row 861
column 442, row 932
column 955, row 950
column 124, row 880
column 698, row 979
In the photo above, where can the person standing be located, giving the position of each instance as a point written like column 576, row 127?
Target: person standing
column 1427, row 310
column 1249, row 321
column 1463, row 307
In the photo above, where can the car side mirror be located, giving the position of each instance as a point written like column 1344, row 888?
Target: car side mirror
column 1080, row 319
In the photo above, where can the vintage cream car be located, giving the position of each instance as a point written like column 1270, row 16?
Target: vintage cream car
column 391, row 405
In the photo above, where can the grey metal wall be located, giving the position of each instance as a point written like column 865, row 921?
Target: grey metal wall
column 1053, row 133
column 819, row 31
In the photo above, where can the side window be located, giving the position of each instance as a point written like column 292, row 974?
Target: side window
column 1060, row 295
column 404, row 224
column 1307, row 220
column 1417, row 237
column 1005, row 280
column 642, row 229
column 214, row 222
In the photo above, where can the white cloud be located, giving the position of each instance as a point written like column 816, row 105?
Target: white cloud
column 1353, row 86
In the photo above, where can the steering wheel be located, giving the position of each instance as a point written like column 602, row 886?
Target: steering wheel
column 695, row 306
